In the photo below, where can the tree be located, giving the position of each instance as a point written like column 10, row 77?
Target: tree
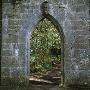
column 45, row 38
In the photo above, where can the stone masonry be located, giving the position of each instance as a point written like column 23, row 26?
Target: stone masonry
column 18, row 21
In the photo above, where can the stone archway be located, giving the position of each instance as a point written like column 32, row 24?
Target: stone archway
column 48, row 17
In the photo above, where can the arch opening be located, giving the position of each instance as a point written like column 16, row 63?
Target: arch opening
column 46, row 53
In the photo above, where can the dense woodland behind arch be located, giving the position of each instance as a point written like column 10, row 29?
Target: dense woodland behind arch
column 45, row 47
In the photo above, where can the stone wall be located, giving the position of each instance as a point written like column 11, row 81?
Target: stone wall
column 18, row 21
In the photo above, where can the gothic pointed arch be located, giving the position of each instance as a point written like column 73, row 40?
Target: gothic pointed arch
column 45, row 46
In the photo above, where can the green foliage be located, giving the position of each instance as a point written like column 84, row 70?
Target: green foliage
column 44, row 37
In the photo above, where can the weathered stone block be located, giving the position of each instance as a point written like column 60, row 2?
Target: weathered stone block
column 14, row 62
column 5, row 71
column 8, row 83
column 67, row 54
column 76, row 77
column 14, row 22
column 6, row 45
column 13, row 31
column 25, row 15
column 68, row 64
column 80, row 45
column 83, row 77
column 60, row 15
column 58, row 1
column 83, row 32
column 75, row 2
column 14, row 19
column 5, row 1
column 17, row 72
column 21, row 39
column 77, row 22
column 12, row 39
column 7, row 8
column 82, row 53
column 74, row 27
column 87, row 2
column 22, row 48
column 79, row 8
column 81, row 39
column 71, row 77
column 6, row 53
column 5, row 62
column 84, row 64
column 14, row 26
column 82, row 15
